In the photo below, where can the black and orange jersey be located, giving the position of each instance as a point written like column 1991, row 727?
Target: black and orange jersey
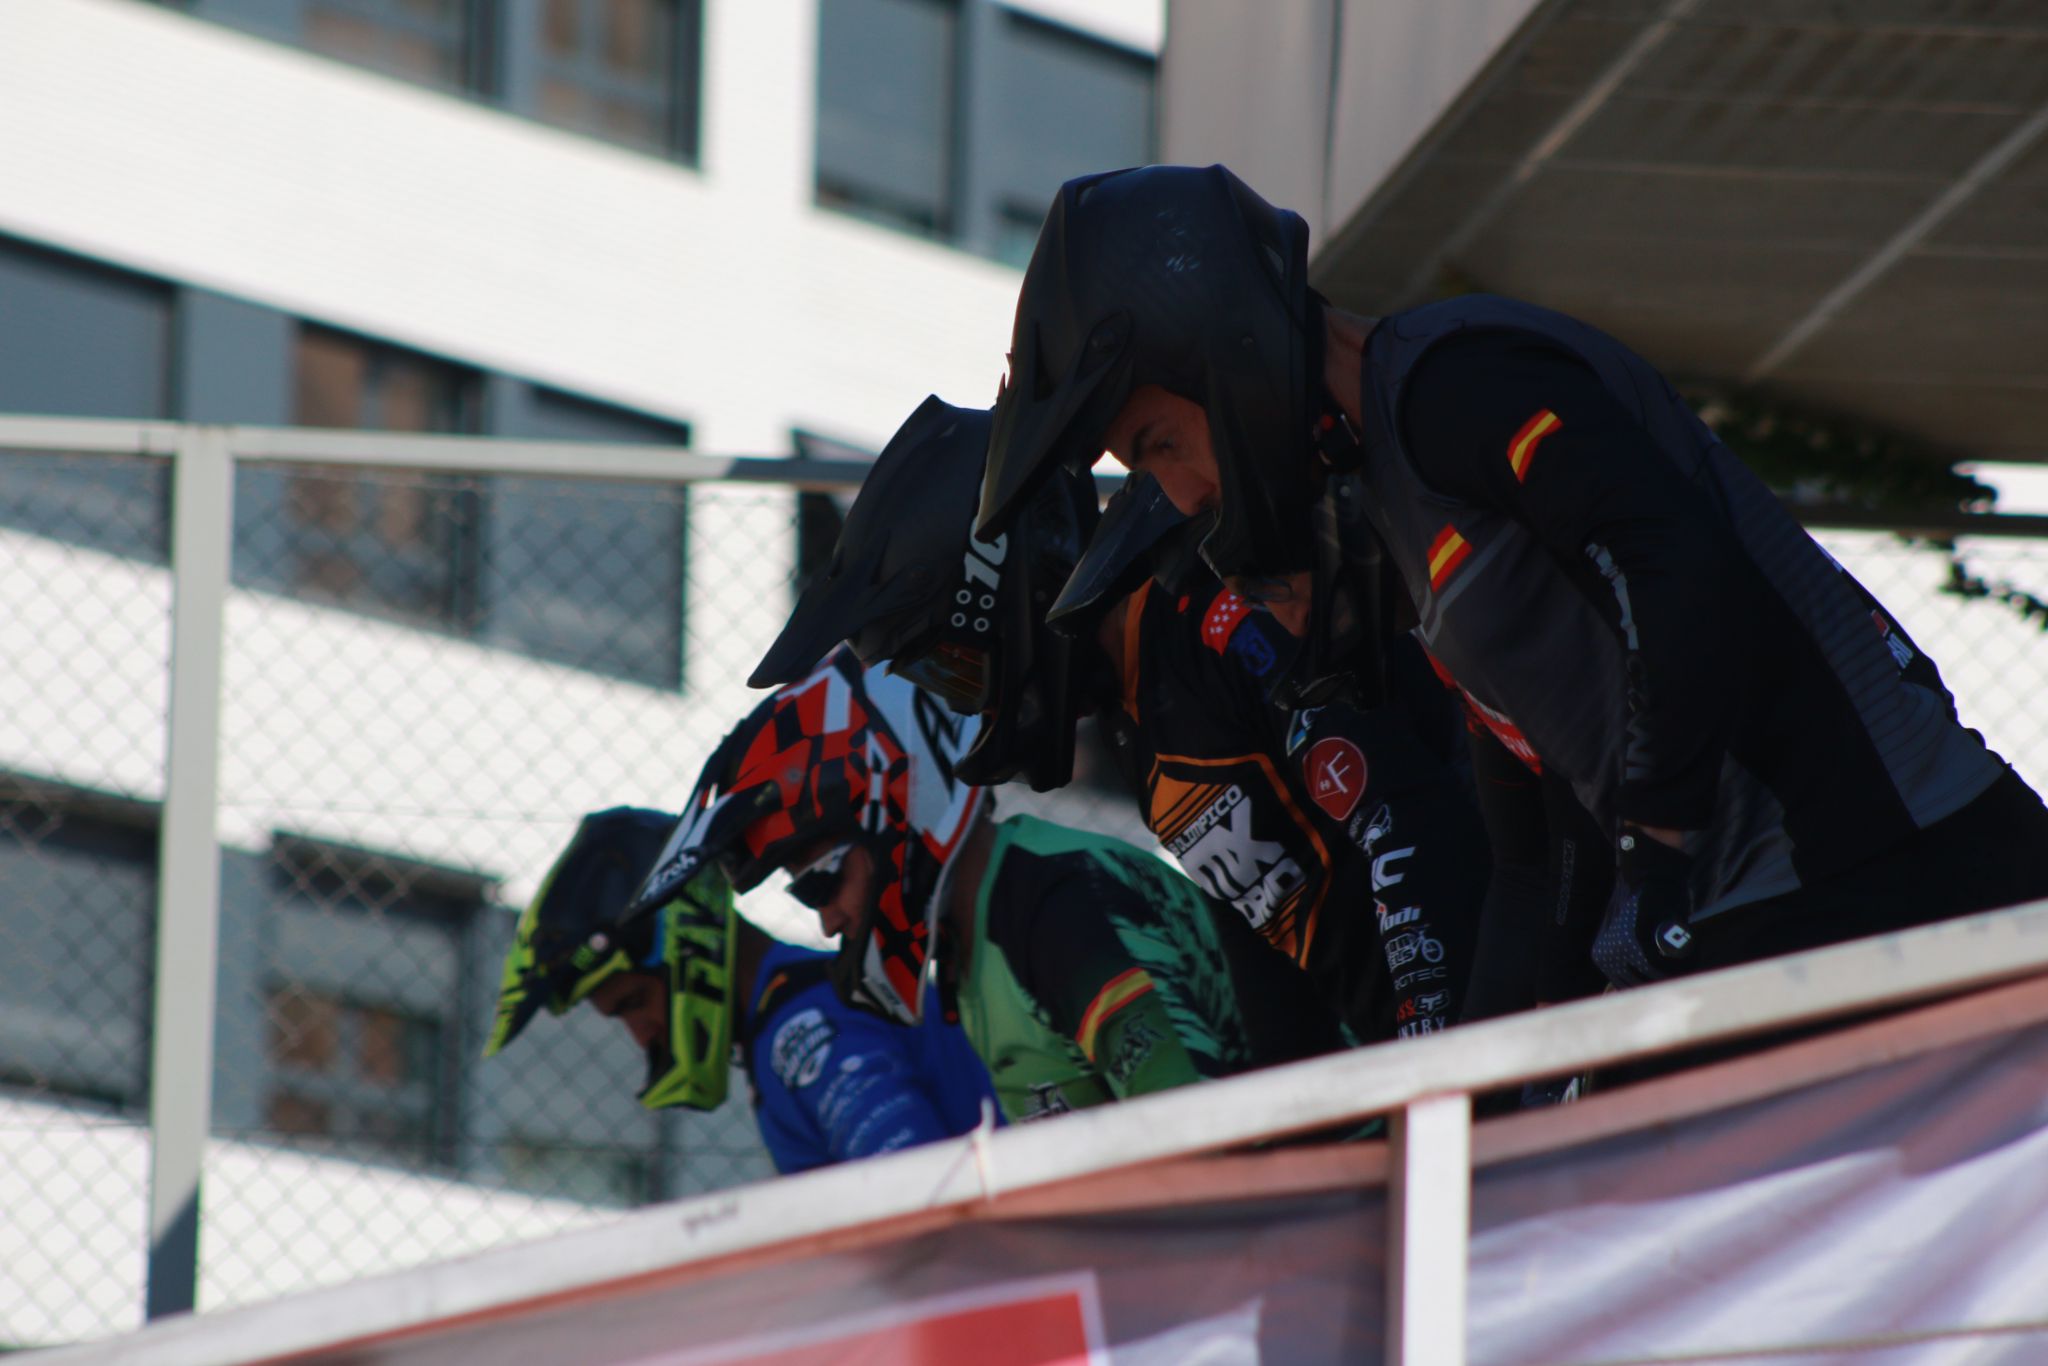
column 1348, row 840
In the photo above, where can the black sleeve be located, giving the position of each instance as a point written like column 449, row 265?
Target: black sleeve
column 1634, row 532
column 1407, row 813
column 1511, row 925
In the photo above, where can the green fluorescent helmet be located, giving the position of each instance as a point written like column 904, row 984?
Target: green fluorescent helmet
column 577, row 932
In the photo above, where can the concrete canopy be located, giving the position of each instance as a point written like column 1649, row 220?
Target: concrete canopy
column 1843, row 205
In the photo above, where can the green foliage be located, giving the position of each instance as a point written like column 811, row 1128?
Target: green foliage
column 1964, row 584
column 1810, row 458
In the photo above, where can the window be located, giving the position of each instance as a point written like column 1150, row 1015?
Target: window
column 440, row 43
column 1071, row 105
column 399, row 543
column 984, row 114
column 76, row 932
column 360, row 1001
column 584, row 572
column 819, row 516
column 623, row 70
column 886, row 110
column 81, row 340
column 627, row 71
column 363, row 1076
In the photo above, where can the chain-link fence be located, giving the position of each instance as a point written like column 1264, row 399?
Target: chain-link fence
column 427, row 676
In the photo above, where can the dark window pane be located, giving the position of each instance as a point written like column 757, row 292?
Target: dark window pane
column 296, row 1115
column 1072, row 105
column 623, row 70
column 76, row 936
column 78, row 340
column 586, row 573
column 886, row 109
column 398, row 543
column 429, row 41
column 305, row 1031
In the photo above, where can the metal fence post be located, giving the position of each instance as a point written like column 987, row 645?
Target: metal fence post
column 1429, row 1226
column 188, row 868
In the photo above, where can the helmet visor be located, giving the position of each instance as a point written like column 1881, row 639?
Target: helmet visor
column 961, row 676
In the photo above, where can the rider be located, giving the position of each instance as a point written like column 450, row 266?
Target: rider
column 1619, row 600
column 1346, row 839
column 1083, row 970
column 693, row 980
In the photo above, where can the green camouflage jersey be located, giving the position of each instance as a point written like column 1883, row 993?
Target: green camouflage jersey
column 1097, row 972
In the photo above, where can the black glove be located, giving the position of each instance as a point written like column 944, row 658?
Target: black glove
column 1646, row 932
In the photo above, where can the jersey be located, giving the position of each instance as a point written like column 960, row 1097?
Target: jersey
column 1095, row 972
column 1626, row 606
column 832, row 1082
column 1347, row 839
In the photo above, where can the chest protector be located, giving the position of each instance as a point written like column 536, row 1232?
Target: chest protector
column 1545, row 668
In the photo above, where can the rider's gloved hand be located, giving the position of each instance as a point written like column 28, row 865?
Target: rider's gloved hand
column 1646, row 933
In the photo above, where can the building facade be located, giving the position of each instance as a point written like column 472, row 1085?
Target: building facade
column 730, row 227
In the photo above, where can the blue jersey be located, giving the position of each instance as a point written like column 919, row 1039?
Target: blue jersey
column 832, row 1082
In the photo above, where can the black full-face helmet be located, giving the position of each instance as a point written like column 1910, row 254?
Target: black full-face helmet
column 963, row 618
column 1180, row 277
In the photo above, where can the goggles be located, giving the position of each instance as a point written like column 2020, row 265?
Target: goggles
column 958, row 675
column 817, row 882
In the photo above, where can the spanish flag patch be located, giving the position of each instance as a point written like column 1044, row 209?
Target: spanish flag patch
column 1522, row 449
column 1446, row 553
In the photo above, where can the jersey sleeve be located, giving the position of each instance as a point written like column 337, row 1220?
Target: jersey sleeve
column 1508, row 421
column 1406, row 811
column 1055, row 927
column 837, row 1084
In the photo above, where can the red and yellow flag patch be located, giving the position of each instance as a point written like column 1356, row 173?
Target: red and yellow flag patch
column 1446, row 553
column 1522, row 448
column 1122, row 989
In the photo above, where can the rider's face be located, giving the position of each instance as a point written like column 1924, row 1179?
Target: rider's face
column 1167, row 437
column 637, row 1001
column 841, row 912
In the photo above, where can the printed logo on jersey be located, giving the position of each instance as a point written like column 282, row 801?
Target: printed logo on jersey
column 1046, row 1101
column 1221, row 621
column 1416, row 945
column 1245, row 837
column 1505, row 731
column 1220, row 848
column 1297, row 730
column 1389, row 920
column 1902, row 653
column 1522, row 446
column 1446, row 553
column 1367, row 832
column 1336, row 775
column 1253, row 648
column 801, row 1046
column 1415, row 1029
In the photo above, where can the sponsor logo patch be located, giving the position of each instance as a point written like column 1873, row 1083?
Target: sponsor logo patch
column 1336, row 775
column 1224, row 614
column 1250, row 647
column 1220, row 851
column 801, row 1046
